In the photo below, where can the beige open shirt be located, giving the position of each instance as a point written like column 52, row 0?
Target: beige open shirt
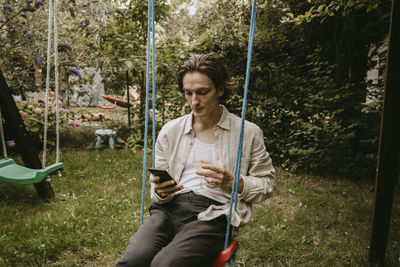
column 176, row 139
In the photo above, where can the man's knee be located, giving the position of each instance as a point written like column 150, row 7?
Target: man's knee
column 169, row 260
column 135, row 257
column 148, row 241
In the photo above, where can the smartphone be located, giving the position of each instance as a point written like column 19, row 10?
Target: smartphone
column 163, row 174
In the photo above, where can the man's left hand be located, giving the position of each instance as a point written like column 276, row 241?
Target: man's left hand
column 217, row 176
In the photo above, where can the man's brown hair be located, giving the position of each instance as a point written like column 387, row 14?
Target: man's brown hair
column 213, row 68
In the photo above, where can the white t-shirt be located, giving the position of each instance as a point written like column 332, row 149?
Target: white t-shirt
column 194, row 182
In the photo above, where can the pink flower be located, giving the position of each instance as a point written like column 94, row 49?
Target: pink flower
column 11, row 143
column 77, row 123
column 71, row 122
column 23, row 102
column 55, row 102
column 24, row 114
column 38, row 110
column 42, row 104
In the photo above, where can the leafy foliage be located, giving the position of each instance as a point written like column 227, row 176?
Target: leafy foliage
column 310, row 59
column 307, row 79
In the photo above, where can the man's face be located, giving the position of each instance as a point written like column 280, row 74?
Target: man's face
column 201, row 94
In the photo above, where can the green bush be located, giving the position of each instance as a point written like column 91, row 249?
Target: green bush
column 322, row 142
column 33, row 115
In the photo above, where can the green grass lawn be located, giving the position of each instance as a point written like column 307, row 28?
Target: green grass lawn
column 310, row 220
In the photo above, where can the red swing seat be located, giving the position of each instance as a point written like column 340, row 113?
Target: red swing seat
column 226, row 254
column 107, row 107
column 116, row 101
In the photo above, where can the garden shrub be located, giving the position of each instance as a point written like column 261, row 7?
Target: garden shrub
column 299, row 138
column 33, row 117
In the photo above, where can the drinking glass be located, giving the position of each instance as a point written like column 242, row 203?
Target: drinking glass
column 199, row 154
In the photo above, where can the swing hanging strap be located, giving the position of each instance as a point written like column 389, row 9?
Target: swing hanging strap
column 52, row 20
column 150, row 28
column 46, row 108
column 56, row 83
column 235, row 185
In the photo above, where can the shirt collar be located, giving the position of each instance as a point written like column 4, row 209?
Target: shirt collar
column 222, row 123
column 188, row 125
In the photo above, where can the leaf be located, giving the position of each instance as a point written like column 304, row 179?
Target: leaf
column 290, row 15
column 372, row 7
column 360, row 6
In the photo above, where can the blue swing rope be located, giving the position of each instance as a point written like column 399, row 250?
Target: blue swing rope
column 150, row 23
column 235, row 184
column 153, row 63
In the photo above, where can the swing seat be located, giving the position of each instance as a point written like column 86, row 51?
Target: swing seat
column 226, row 254
column 12, row 173
column 116, row 101
column 107, row 107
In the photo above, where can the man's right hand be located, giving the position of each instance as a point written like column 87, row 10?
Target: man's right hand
column 164, row 189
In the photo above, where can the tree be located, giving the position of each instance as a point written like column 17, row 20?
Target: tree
column 23, row 33
column 23, row 42
column 125, row 44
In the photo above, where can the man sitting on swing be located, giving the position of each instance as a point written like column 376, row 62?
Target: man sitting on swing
column 187, row 221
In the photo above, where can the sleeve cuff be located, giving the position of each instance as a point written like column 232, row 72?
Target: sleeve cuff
column 245, row 190
column 156, row 198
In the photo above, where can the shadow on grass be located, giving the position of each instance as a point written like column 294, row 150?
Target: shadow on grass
column 22, row 194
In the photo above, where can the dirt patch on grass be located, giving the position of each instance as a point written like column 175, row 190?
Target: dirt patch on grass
column 118, row 115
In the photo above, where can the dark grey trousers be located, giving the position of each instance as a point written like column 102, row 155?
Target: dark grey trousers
column 173, row 236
